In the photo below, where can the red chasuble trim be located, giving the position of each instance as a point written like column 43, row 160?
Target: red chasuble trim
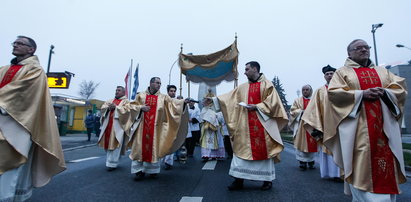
column 148, row 128
column 311, row 142
column 107, row 132
column 382, row 159
column 11, row 72
column 256, row 129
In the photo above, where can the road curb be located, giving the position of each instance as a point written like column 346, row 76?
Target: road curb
column 79, row 147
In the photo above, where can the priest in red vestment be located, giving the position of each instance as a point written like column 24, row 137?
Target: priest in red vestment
column 160, row 130
column 363, row 131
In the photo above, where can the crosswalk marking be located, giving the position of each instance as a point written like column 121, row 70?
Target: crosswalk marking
column 85, row 159
column 191, row 199
column 210, row 165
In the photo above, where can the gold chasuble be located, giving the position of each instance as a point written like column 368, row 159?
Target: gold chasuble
column 25, row 96
column 313, row 116
column 111, row 132
column 364, row 135
column 161, row 130
column 302, row 139
column 254, row 134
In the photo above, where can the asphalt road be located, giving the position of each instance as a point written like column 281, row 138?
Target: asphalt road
column 86, row 179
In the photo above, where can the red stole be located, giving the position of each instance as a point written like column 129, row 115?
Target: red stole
column 382, row 159
column 11, row 72
column 311, row 142
column 256, row 129
column 107, row 132
column 148, row 128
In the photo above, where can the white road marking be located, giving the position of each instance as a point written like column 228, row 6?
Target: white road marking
column 85, row 159
column 191, row 199
column 210, row 165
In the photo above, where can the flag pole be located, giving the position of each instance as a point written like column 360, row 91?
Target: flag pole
column 181, row 73
column 236, row 76
column 131, row 79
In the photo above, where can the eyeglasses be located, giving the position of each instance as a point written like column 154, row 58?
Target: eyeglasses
column 20, row 44
column 358, row 48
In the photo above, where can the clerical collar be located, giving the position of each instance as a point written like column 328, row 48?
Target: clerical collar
column 14, row 61
column 307, row 97
column 253, row 81
column 367, row 65
column 151, row 93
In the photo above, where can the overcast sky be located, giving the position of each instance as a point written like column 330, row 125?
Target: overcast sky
column 290, row 39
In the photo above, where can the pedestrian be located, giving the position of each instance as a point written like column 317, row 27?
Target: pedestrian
column 89, row 123
column 366, row 103
column 97, row 123
column 30, row 148
column 254, row 115
column 305, row 146
column 150, row 140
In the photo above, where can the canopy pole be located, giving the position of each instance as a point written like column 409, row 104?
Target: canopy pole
column 188, row 88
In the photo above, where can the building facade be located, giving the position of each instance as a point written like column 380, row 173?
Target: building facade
column 71, row 112
column 404, row 71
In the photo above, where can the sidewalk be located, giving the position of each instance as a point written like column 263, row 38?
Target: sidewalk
column 76, row 141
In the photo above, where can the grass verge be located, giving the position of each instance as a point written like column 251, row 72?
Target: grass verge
column 406, row 146
column 407, row 159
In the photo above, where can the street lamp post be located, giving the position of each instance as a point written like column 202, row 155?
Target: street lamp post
column 50, row 53
column 375, row 27
column 169, row 74
column 402, row 46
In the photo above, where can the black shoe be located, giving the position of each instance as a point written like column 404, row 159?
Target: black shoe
column 167, row 166
column 204, row 160
column 109, row 169
column 236, row 185
column 311, row 165
column 303, row 165
column 266, row 185
column 338, row 179
column 139, row 176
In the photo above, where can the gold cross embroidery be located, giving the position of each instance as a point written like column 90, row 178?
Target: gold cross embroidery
column 368, row 76
column 151, row 101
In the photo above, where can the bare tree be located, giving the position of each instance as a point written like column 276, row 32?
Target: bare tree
column 87, row 88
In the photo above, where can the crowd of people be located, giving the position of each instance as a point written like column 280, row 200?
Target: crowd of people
column 351, row 122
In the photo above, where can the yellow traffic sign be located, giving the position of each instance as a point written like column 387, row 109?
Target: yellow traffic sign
column 58, row 80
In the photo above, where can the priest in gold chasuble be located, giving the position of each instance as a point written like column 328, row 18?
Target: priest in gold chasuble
column 305, row 146
column 30, row 148
column 366, row 103
column 160, row 130
column 116, row 124
column 254, row 116
column 314, row 122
